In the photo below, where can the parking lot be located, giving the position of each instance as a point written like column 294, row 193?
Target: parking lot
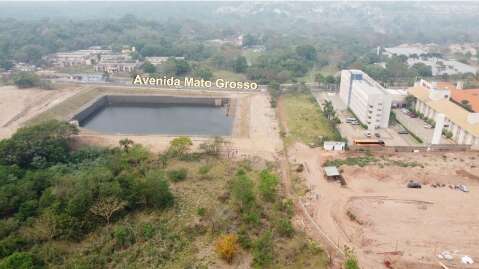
column 389, row 135
column 416, row 125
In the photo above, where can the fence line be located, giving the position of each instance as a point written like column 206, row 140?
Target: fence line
column 318, row 228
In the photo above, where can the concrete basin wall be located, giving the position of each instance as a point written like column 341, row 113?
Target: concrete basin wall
column 106, row 100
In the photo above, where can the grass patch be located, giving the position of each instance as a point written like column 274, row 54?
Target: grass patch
column 305, row 120
column 359, row 161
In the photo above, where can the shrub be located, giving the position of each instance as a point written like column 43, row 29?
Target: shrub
column 10, row 244
column 27, row 209
column 18, row 260
column 201, row 211
column 351, row 261
column 227, row 247
column 180, row 146
column 148, row 230
column 243, row 191
column 124, row 236
column 177, row 175
column 263, row 250
column 203, row 172
column 244, row 239
column 157, row 192
column 267, row 185
column 252, row 217
column 284, row 227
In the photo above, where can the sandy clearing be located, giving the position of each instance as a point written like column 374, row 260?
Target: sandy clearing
column 19, row 105
column 385, row 216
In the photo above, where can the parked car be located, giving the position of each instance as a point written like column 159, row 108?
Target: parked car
column 377, row 135
column 368, row 134
column 413, row 184
column 351, row 119
column 412, row 115
column 354, row 123
column 404, row 110
column 403, row 132
column 427, row 126
column 463, row 188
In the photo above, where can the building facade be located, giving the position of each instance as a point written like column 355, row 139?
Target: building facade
column 113, row 63
column 434, row 103
column 79, row 57
column 368, row 100
column 161, row 60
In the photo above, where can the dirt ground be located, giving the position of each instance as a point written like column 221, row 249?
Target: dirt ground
column 383, row 220
column 19, row 105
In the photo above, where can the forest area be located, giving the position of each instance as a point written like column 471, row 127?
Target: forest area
column 102, row 208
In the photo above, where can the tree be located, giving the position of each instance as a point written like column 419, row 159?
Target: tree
column 249, row 40
column 7, row 65
column 149, row 67
column 182, row 67
column 105, row 207
column 203, row 72
column 466, row 105
column 240, row 64
column 422, row 69
column 26, row 80
column 227, row 247
column 18, row 260
column 328, row 110
column 306, row 52
column 180, row 145
column 126, row 144
column 319, row 78
column 410, row 101
column 45, row 143
column 157, row 191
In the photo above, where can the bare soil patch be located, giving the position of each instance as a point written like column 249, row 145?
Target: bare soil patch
column 383, row 220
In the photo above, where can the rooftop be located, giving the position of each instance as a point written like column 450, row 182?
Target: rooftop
column 331, row 171
column 452, row 111
column 471, row 95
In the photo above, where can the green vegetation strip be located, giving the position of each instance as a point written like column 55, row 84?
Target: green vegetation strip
column 305, row 120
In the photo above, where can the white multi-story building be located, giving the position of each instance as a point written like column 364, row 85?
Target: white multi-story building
column 366, row 98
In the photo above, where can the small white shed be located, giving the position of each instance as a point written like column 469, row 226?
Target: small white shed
column 334, row 145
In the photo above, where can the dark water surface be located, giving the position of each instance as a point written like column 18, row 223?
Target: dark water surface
column 171, row 119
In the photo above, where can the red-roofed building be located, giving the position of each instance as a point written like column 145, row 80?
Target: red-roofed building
column 458, row 95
